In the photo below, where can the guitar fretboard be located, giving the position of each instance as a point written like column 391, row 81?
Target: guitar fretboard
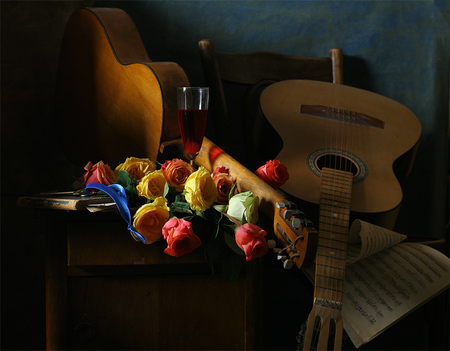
column 336, row 190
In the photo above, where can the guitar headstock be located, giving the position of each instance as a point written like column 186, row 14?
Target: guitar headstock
column 296, row 233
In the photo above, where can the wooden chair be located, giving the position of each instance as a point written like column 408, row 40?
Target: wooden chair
column 249, row 73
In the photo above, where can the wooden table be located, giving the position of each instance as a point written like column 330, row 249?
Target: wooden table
column 106, row 291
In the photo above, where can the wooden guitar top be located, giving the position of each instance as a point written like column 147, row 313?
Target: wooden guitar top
column 323, row 123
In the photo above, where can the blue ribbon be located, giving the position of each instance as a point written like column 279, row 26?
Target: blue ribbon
column 118, row 194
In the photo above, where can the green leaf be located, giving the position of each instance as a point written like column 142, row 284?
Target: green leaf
column 123, row 178
column 221, row 208
column 231, row 242
column 231, row 265
column 213, row 251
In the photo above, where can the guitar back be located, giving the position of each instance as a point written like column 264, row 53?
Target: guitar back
column 112, row 101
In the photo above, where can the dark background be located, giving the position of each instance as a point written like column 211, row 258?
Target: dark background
column 399, row 49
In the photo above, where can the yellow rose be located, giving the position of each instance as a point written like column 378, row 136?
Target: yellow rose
column 200, row 189
column 152, row 185
column 150, row 218
column 136, row 167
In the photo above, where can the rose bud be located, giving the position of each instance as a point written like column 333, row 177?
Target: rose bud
column 243, row 207
column 136, row 167
column 177, row 172
column 200, row 189
column 152, row 185
column 180, row 237
column 98, row 173
column 251, row 239
column 224, row 183
column 150, row 218
column 273, row 173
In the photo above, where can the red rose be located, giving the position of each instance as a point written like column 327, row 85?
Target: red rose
column 273, row 173
column 224, row 183
column 176, row 172
column 180, row 238
column 98, row 173
column 250, row 238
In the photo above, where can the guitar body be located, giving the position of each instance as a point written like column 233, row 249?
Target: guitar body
column 112, row 101
column 340, row 146
column 323, row 122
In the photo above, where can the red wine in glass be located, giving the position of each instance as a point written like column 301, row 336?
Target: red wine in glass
column 192, row 126
column 192, row 115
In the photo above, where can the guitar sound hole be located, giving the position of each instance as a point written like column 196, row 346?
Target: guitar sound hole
column 338, row 162
column 337, row 159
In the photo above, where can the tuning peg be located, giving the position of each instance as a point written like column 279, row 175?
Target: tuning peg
column 288, row 264
column 289, row 205
column 287, row 215
column 281, row 205
column 276, row 250
column 271, row 244
column 296, row 223
column 308, row 224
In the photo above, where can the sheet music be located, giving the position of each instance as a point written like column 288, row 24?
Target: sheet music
column 382, row 288
column 365, row 239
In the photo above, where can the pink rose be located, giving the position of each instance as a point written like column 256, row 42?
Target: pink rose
column 176, row 172
column 250, row 238
column 221, row 169
column 180, row 238
column 98, row 173
column 273, row 173
column 224, row 183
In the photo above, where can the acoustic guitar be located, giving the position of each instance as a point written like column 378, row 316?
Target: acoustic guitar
column 340, row 144
column 112, row 101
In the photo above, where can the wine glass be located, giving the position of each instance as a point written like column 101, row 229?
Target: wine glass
column 192, row 115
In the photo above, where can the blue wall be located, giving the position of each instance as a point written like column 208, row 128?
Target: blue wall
column 399, row 49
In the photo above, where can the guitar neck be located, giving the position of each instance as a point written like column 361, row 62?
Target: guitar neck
column 325, row 316
column 334, row 216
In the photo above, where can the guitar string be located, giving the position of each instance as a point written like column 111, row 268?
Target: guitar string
column 323, row 261
column 327, row 216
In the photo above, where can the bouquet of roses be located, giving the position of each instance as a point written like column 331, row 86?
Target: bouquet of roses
column 182, row 208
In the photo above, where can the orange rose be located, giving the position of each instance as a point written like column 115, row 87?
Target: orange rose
column 176, row 172
column 250, row 238
column 98, row 173
column 136, row 167
column 150, row 218
column 224, row 183
column 273, row 173
column 152, row 185
column 180, row 238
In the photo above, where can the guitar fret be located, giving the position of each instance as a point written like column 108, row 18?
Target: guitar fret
column 339, row 192
column 332, row 258
column 336, row 190
column 334, row 214
column 336, row 241
column 323, row 265
column 343, row 227
column 334, row 202
column 327, row 289
column 332, row 278
column 332, row 247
